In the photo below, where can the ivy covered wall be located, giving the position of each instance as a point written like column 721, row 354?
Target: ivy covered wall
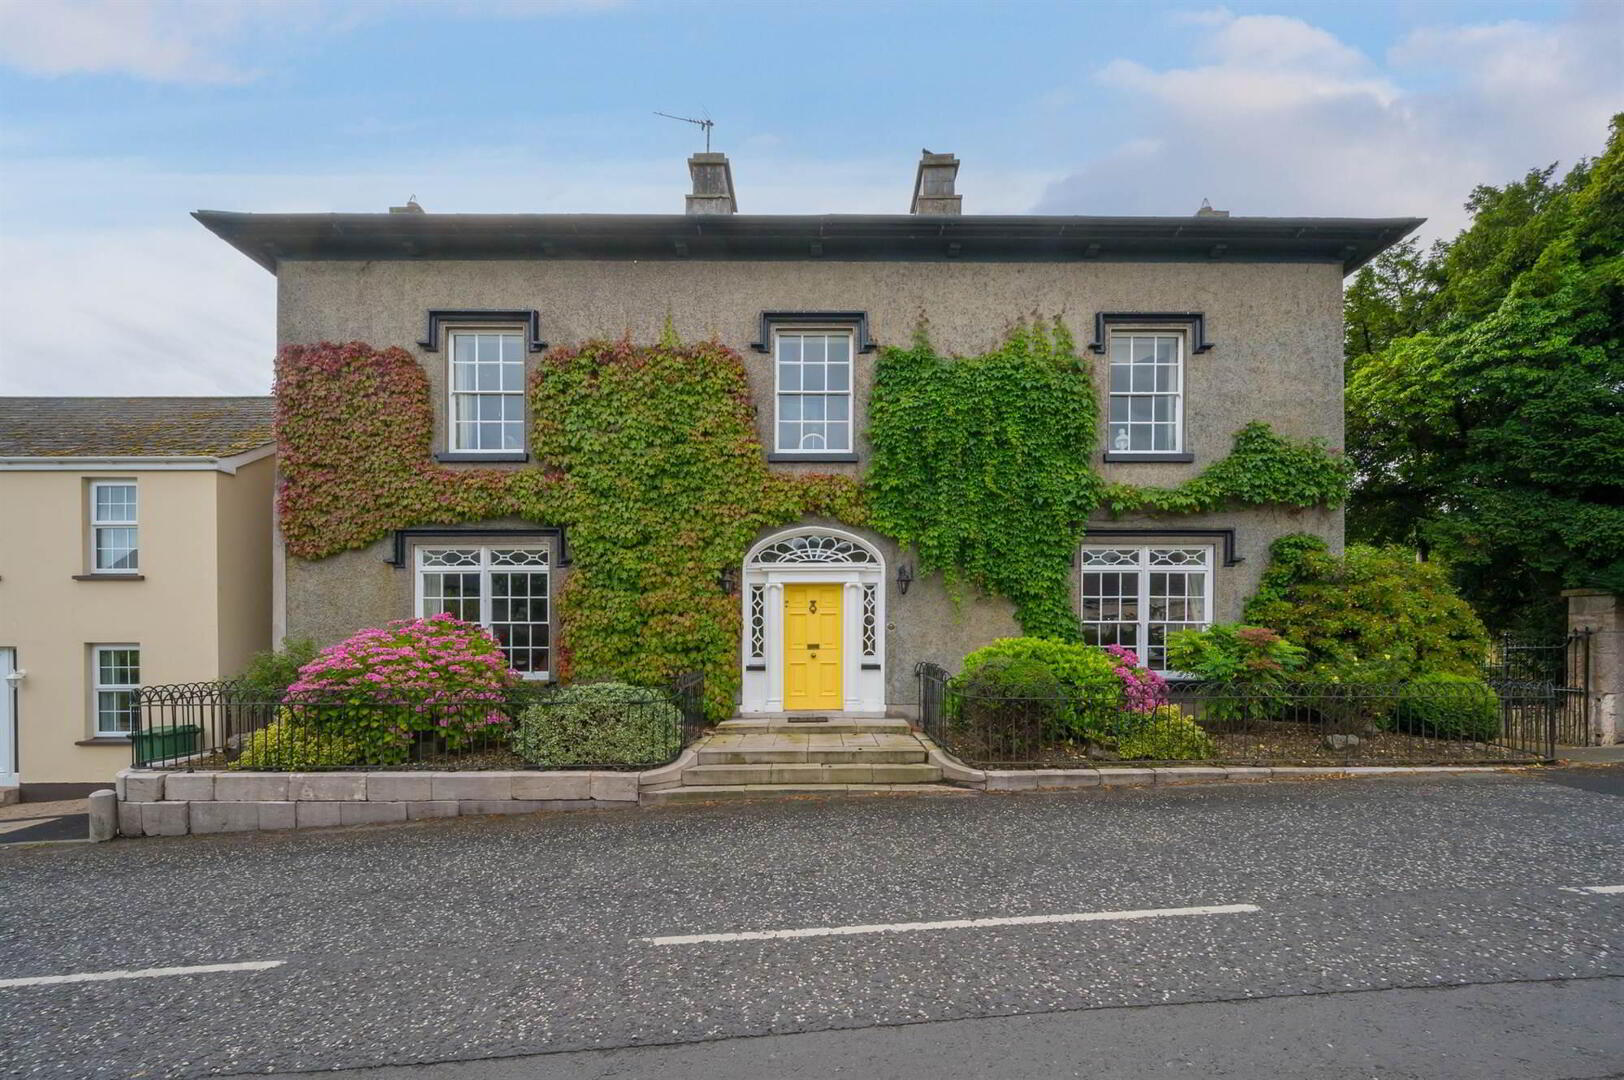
column 649, row 457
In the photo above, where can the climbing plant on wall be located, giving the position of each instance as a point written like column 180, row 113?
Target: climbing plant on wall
column 649, row 456
column 983, row 465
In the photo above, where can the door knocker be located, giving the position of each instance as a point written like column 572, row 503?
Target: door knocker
column 812, row 607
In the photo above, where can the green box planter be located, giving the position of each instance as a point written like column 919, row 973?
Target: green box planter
column 162, row 743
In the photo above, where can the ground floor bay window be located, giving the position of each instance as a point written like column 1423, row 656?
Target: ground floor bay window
column 504, row 589
column 1136, row 596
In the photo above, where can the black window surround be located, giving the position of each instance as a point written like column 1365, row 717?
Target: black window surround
column 481, row 456
column 1195, row 320
column 454, row 535
column 1227, row 536
column 819, row 456
column 857, row 320
column 439, row 318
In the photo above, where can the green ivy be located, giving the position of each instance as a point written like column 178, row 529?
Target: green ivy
column 650, row 460
column 1262, row 467
column 649, row 456
column 982, row 466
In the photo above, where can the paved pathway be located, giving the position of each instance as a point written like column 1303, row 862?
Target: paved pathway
column 32, row 821
column 1439, row 927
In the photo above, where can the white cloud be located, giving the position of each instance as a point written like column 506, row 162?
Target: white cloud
column 1278, row 116
column 204, row 41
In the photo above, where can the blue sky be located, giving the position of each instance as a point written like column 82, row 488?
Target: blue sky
column 118, row 117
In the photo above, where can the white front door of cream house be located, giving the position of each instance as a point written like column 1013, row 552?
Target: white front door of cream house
column 777, row 574
column 8, row 719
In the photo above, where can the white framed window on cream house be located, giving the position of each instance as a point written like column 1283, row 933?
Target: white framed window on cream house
column 114, row 532
column 1135, row 596
column 1145, row 411
column 115, row 674
column 812, row 390
column 485, row 381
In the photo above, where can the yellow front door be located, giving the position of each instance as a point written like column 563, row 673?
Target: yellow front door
column 812, row 630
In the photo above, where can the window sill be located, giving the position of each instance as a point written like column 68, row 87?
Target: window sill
column 459, row 457
column 1145, row 459
column 831, row 457
column 105, row 740
column 109, row 577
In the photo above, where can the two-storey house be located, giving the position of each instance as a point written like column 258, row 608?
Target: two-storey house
column 135, row 548
column 1195, row 327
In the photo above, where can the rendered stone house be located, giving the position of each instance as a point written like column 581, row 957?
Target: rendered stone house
column 135, row 548
column 1196, row 326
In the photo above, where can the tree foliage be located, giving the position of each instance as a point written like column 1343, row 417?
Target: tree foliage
column 1486, row 391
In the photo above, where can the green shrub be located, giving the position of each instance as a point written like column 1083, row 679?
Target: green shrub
column 285, row 745
column 1371, row 615
column 1012, row 704
column 599, row 724
column 1086, row 676
column 271, row 671
column 1250, row 664
column 1445, row 706
column 1166, row 734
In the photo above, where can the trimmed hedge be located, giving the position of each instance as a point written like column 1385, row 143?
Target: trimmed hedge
column 599, row 724
column 1445, row 706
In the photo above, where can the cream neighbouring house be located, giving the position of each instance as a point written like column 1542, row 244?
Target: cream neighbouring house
column 135, row 548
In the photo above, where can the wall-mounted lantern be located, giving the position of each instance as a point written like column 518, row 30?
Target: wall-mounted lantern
column 904, row 577
column 728, row 580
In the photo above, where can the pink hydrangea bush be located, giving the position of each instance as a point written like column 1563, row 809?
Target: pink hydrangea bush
column 438, row 680
column 1143, row 690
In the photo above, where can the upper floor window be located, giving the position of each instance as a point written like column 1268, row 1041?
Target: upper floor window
column 113, row 532
column 116, row 672
column 487, row 391
column 1146, row 412
column 503, row 589
column 814, row 395
column 1136, row 596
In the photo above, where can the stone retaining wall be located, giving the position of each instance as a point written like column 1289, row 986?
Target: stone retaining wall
column 177, row 803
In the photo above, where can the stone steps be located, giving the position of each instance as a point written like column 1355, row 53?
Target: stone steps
column 703, row 793
column 858, row 748
column 810, row 773
column 836, row 724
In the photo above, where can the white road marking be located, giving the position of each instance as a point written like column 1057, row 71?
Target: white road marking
column 1598, row 890
column 141, row 973
column 953, row 924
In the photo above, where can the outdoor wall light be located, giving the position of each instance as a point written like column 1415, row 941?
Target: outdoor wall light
column 904, row 578
column 728, row 580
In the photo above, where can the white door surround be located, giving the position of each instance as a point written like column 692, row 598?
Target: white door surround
column 813, row 554
column 8, row 719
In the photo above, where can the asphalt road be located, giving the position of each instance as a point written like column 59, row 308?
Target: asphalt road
column 1376, row 928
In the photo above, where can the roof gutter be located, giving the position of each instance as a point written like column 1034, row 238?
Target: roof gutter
column 135, row 463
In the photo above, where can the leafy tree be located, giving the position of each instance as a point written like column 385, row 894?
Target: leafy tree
column 1486, row 403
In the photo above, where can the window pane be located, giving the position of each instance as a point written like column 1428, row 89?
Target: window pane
column 1121, row 349
column 789, row 407
column 839, row 376
column 812, row 349
column 812, row 377
column 1121, row 378
column 789, row 348
column 1166, row 350
column 789, row 436
column 838, row 435
column 1162, row 408
column 1139, row 408
column 838, row 349
column 1144, row 378
column 789, row 376
column 1119, row 409
column 488, row 348
column 510, row 349
column 1163, row 437
column 837, row 406
column 812, row 407
column 812, row 437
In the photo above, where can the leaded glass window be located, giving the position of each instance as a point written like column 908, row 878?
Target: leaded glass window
column 504, row 589
column 1136, row 596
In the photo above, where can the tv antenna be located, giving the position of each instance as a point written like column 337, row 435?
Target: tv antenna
column 706, row 124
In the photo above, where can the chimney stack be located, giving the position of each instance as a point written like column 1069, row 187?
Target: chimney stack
column 713, row 185
column 1207, row 210
column 933, row 185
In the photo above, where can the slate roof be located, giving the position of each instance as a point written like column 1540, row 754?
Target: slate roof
column 134, row 426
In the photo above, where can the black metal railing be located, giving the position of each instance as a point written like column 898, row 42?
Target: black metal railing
column 231, row 725
column 1303, row 723
column 1563, row 662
